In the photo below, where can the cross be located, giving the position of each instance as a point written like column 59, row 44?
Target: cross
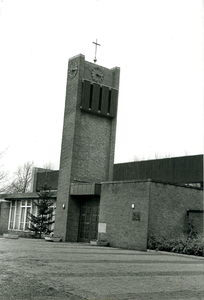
column 96, row 44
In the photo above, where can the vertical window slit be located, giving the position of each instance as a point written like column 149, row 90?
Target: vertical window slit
column 100, row 100
column 109, row 102
column 82, row 98
column 91, row 96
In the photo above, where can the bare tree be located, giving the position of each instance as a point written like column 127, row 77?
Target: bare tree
column 157, row 155
column 3, row 174
column 48, row 166
column 21, row 181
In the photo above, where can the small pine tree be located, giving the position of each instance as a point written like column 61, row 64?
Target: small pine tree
column 41, row 222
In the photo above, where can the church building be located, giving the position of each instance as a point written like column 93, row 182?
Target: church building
column 95, row 199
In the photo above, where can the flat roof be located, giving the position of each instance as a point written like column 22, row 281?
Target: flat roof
column 23, row 196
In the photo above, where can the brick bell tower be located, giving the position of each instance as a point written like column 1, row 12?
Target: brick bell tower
column 88, row 138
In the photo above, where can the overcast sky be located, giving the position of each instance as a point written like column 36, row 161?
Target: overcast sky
column 158, row 46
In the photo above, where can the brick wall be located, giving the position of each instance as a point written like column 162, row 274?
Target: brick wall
column 111, row 76
column 4, row 216
column 117, row 213
column 70, row 112
column 23, row 234
column 92, row 148
column 162, row 211
column 168, row 208
column 88, row 141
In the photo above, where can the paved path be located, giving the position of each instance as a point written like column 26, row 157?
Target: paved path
column 35, row 269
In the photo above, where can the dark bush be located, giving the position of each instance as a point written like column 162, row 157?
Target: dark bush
column 191, row 245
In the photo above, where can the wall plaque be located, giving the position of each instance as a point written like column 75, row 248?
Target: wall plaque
column 136, row 216
column 101, row 227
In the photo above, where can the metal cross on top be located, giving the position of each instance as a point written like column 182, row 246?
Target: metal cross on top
column 96, row 44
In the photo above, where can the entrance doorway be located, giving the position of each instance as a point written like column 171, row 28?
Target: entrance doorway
column 88, row 221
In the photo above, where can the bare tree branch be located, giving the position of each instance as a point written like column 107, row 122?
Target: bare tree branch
column 48, row 166
column 22, row 179
column 3, row 174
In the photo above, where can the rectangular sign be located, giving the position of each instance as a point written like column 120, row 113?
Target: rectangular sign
column 101, row 227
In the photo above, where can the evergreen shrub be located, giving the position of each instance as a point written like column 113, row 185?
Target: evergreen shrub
column 40, row 224
column 190, row 244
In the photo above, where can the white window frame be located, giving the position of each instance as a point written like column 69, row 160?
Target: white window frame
column 33, row 210
column 25, row 215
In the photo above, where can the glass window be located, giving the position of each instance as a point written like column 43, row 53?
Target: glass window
column 17, row 216
column 19, row 210
column 28, row 202
column 12, row 214
column 22, row 218
column 27, row 220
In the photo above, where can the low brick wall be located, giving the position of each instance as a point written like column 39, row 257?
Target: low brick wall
column 168, row 209
column 23, row 234
column 126, row 227
column 4, row 216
